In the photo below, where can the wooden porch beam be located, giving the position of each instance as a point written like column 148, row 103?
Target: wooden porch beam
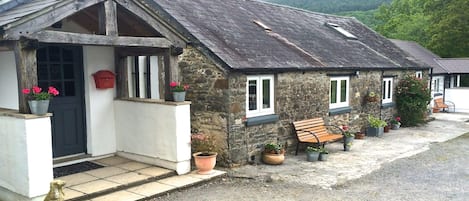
column 108, row 18
column 150, row 16
column 171, row 70
column 46, row 17
column 88, row 39
column 26, row 69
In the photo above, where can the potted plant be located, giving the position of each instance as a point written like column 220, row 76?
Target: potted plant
column 396, row 123
column 312, row 153
column 376, row 126
column 348, row 138
column 359, row 135
column 273, row 154
column 323, row 154
column 205, row 148
column 39, row 100
column 179, row 91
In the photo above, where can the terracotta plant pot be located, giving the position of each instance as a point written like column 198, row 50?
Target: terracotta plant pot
column 205, row 162
column 273, row 159
column 387, row 128
column 359, row 135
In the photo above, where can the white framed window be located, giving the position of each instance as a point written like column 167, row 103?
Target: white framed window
column 339, row 93
column 418, row 74
column 387, row 90
column 259, row 95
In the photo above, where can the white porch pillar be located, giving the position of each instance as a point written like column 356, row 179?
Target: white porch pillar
column 26, row 156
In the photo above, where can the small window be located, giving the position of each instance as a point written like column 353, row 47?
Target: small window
column 341, row 30
column 418, row 74
column 259, row 95
column 339, row 94
column 387, row 90
column 144, row 77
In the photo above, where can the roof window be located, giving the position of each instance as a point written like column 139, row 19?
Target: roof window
column 341, row 30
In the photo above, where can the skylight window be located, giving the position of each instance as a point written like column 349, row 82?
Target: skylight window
column 341, row 30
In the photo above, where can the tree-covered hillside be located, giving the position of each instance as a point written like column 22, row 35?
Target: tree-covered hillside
column 333, row 6
column 363, row 10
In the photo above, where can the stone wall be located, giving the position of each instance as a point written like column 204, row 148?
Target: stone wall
column 218, row 104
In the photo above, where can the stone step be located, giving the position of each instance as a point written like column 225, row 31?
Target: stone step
column 151, row 188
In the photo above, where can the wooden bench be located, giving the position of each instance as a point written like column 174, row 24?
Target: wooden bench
column 314, row 131
column 439, row 104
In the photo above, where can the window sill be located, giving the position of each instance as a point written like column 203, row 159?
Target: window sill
column 341, row 110
column 252, row 121
column 387, row 105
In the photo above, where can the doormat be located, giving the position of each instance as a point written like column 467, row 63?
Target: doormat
column 75, row 168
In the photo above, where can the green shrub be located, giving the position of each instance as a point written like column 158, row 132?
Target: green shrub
column 412, row 98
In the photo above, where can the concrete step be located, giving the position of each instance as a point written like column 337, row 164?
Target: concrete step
column 124, row 179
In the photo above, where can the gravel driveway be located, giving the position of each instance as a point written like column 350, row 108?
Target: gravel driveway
column 438, row 170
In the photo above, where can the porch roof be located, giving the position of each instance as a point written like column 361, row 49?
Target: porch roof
column 455, row 65
column 249, row 34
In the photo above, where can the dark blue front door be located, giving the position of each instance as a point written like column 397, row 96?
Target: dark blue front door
column 62, row 67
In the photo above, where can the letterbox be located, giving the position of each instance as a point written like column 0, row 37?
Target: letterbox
column 104, row 79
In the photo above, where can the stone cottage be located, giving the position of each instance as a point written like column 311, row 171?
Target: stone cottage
column 256, row 67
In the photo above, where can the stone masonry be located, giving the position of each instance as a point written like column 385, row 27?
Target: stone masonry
column 219, row 98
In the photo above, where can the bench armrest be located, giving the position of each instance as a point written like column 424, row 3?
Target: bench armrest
column 340, row 129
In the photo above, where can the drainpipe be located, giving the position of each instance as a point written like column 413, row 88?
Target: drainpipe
column 381, row 103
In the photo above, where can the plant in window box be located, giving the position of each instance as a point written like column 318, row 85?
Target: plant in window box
column 205, row 148
column 273, row 154
column 372, row 97
column 376, row 126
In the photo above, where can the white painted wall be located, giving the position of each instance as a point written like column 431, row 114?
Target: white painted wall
column 459, row 97
column 155, row 132
column 438, row 84
column 101, row 133
column 26, row 157
column 8, row 81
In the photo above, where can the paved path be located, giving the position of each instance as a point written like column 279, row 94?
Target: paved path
column 386, row 168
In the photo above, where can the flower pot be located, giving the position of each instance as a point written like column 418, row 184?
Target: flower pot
column 359, row 135
column 38, row 107
column 348, row 143
column 323, row 156
column 205, row 162
column 179, row 96
column 387, row 128
column 312, row 156
column 396, row 126
column 374, row 132
column 273, row 159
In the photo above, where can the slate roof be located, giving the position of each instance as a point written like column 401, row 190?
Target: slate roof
column 297, row 36
column 454, row 66
column 421, row 54
column 15, row 10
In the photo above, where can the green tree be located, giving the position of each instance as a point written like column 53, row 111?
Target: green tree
column 449, row 27
column 404, row 19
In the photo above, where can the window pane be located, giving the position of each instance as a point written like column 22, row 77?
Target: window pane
column 389, row 89
column 343, row 91
column 55, row 72
column 333, row 91
column 383, row 95
column 69, row 89
column 265, row 94
column 68, row 71
column 252, row 85
column 464, row 82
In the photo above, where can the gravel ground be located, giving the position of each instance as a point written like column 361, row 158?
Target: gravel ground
column 440, row 173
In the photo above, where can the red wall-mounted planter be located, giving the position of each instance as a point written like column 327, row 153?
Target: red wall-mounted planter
column 104, row 79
